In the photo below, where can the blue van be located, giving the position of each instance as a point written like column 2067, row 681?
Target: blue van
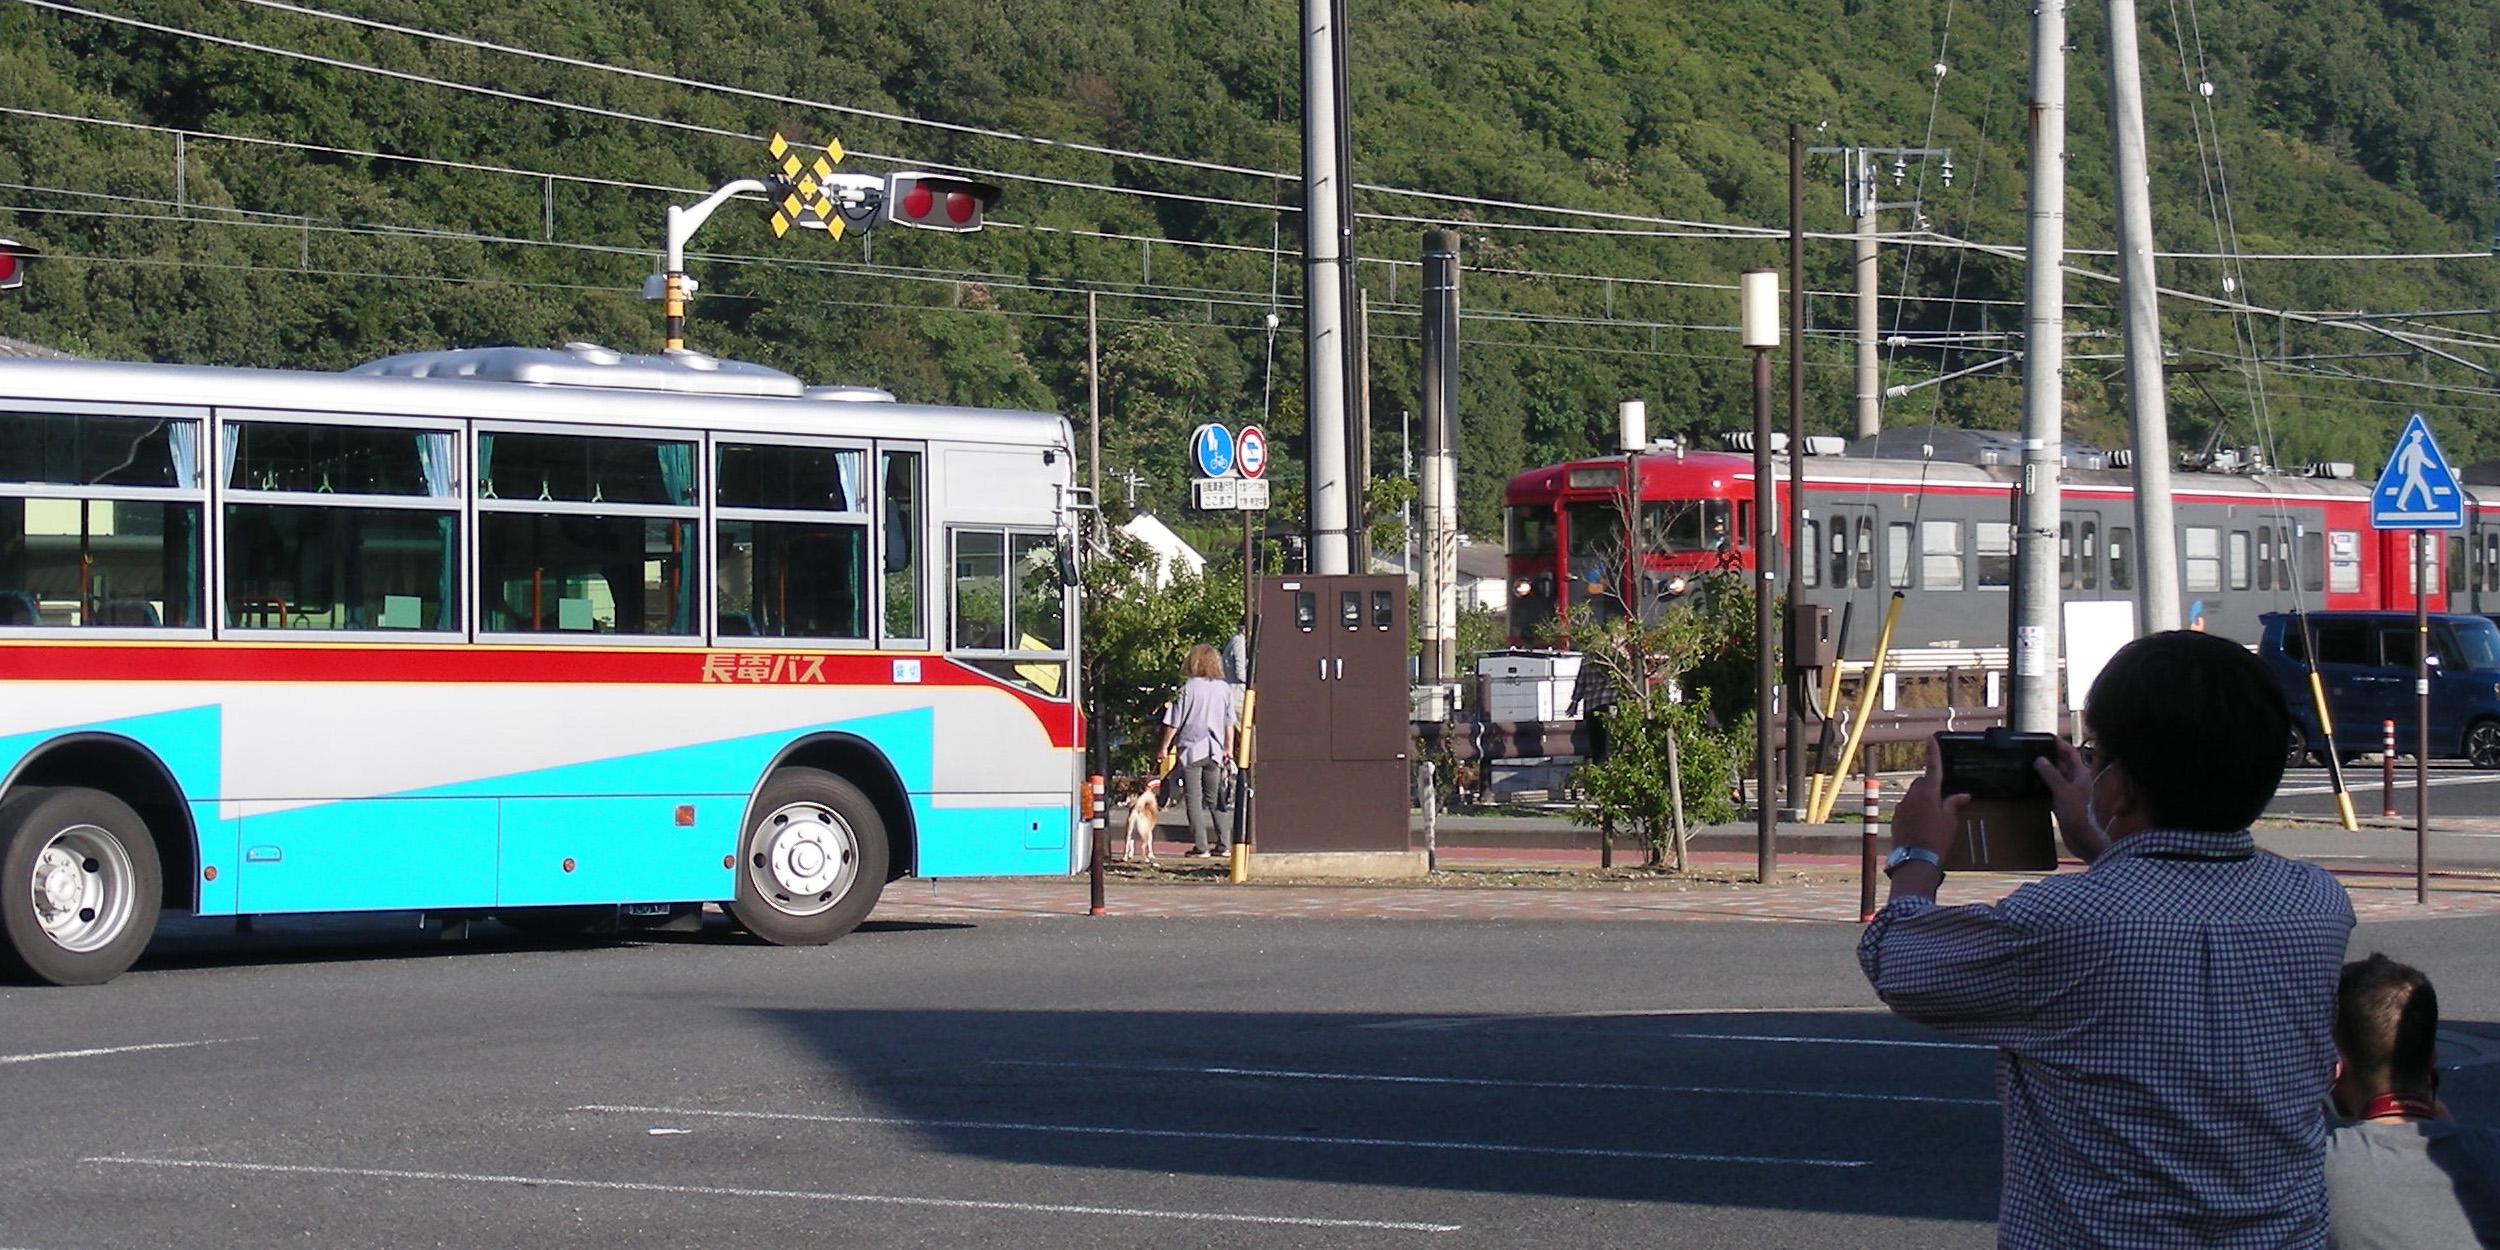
column 2366, row 662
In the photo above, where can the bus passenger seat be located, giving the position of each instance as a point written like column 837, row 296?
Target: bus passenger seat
column 127, row 612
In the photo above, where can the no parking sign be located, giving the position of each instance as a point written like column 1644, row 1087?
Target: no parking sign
column 1251, row 449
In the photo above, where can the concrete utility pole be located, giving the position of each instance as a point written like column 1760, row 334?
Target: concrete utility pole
column 1326, row 261
column 2148, row 403
column 1859, row 190
column 1438, row 574
column 2032, row 701
column 1793, row 737
column 1870, row 373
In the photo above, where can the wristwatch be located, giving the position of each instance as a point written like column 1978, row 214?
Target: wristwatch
column 1911, row 854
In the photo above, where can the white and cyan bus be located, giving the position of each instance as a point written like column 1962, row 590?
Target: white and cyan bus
column 552, row 635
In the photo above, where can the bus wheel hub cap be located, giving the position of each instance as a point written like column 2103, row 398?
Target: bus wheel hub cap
column 61, row 886
column 805, row 857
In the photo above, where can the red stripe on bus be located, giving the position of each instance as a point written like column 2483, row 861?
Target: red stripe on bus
column 121, row 662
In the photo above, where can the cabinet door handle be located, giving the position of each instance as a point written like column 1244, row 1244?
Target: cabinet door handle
column 1323, row 668
column 1341, row 668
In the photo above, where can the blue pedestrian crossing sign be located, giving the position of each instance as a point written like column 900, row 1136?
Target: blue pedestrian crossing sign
column 1211, row 445
column 2417, row 490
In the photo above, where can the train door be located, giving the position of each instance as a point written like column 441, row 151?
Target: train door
column 2400, row 566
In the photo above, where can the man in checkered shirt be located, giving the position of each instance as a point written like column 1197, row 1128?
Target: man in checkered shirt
column 2162, row 1016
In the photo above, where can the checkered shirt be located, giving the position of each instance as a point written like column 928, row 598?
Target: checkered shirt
column 2162, row 1020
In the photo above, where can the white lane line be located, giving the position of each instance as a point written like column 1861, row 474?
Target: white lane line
column 1610, row 1087
column 2404, row 783
column 1288, row 1139
column 805, row 1195
column 1828, row 1041
column 93, row 1051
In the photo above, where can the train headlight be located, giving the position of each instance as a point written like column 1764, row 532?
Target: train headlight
column 1520, row 588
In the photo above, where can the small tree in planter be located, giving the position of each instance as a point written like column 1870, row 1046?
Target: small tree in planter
column 1675, row 747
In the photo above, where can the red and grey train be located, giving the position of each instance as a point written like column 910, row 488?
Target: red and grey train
column 1931, row 513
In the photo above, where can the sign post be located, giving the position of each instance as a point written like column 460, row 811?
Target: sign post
column 2418, row 491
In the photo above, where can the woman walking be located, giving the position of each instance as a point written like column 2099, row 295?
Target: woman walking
column 1199, row 727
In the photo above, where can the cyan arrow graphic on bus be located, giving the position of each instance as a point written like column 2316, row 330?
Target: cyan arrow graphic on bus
column 2417, row 490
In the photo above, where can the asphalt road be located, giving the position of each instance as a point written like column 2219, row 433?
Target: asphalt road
column 1024, row 1082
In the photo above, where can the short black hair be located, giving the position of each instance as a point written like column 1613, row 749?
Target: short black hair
column 2197, row 723
column 2386, row 1016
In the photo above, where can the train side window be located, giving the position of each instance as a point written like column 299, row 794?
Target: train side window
column 1811, row 542
column 2121, row 551
column 2090, row 555
column 1992, row 546
column 2065, row 555
column 1940, row 555
column 2313, row 563
column 2283, row 558
column 1865, row 554
column 2236, row 551
column 2456, row 561
column 2200, row 565
column 1897, row 554
column 1840, row 551
column 2265, row 557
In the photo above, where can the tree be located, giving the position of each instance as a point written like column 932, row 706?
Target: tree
column 1137, row 634
column 1671, row 762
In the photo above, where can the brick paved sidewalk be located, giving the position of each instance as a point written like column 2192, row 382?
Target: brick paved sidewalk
column 1818, row 898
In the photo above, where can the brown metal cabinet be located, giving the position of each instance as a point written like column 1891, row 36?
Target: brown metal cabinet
column 1332, row 717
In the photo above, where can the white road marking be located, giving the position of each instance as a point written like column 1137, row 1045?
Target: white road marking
column 805, row 1195
column 2404, row 784
column 1288, row 1139
column 1611, row 1087
column 93, row 1051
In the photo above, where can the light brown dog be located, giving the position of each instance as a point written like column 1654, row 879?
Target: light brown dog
column 1144, row 812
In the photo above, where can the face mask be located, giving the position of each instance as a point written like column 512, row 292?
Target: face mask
column 2091, row 816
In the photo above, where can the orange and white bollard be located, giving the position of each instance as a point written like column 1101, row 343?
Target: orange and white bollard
column 1095, row 812
column 1870, row 817
column 2387, row 769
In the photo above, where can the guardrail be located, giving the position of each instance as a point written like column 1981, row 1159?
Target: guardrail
column 1469, row 741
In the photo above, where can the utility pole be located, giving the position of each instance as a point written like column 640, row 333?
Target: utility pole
column 1860, row 190
column 2148, row 404
column 1326, row 239
column 2032, row 701
column 1437, row 578
column 1793, row 740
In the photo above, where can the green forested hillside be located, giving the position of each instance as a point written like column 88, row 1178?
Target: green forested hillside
column 2345, row 127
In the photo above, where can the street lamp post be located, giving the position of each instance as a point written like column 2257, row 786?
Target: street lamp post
column 1760, row 289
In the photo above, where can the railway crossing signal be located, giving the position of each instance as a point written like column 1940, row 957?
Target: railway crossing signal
column 802, row 185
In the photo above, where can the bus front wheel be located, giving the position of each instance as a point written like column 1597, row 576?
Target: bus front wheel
column 812, row 860
column 80, row 886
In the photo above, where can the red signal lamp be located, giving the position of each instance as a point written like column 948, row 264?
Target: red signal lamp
column 14, row 257
column 929, row 201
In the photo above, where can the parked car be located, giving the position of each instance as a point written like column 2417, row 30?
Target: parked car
column 2365, row 660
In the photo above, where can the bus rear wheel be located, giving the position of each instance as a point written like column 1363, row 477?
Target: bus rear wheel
column 812, row 861
column 80, row 886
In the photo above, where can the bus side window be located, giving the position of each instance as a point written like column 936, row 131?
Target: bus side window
column 898, row 485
